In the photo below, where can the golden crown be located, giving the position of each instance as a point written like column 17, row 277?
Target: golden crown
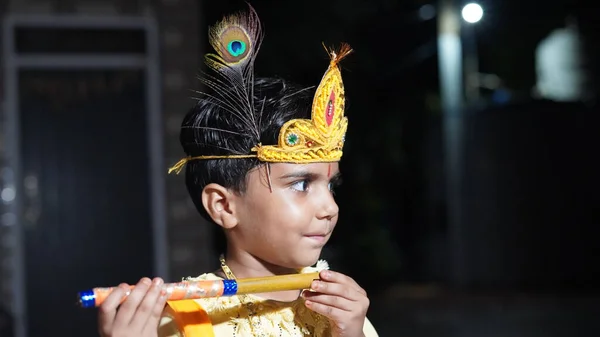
column 303, row 141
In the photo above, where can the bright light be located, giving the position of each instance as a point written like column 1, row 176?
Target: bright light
column 8, row 194
column 472, row 13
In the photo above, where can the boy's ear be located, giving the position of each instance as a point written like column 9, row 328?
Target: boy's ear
column 218, row 203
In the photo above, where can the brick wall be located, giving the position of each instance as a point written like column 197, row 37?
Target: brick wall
column 190, row 238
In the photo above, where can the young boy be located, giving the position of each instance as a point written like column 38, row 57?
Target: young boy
column 262, row 161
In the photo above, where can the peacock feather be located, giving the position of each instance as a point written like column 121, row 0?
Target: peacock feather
column 236, row 40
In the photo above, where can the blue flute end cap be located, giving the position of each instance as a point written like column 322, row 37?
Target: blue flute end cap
column 87, row 299
column 229, row 287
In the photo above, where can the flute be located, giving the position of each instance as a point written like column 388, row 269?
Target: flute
column 211, row 288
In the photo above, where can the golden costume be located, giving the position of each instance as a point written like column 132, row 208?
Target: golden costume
column 246, row 316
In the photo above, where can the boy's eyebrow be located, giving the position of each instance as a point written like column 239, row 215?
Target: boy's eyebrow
column 307, row 175
column 336, row 176
column 299, row 174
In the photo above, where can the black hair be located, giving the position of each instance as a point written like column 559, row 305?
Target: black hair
column 210, row 130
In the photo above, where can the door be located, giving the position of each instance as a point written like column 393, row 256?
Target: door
column 82, row 102
column 85, row 166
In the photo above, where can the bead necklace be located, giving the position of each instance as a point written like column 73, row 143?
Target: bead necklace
column 252, row 317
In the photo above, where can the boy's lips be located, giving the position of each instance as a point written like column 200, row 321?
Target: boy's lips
column 317, row 234
column 322, row 234
column 319, row 237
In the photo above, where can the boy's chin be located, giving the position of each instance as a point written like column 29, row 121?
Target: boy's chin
column 310, row 260
column 300, row 260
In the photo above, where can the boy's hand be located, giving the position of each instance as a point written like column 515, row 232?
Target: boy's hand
column 340, row 299
column 138, row 316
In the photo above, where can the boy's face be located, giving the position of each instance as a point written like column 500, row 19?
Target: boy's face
column 289, row 226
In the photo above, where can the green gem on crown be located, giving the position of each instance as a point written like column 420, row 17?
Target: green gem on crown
column 236, row 48
column 292, row 139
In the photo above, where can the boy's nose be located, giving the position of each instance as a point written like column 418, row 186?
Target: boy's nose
column 328, row 208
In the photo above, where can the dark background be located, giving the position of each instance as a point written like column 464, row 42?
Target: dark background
column 522, row 260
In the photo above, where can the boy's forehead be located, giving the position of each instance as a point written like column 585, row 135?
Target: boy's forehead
column 325, row 169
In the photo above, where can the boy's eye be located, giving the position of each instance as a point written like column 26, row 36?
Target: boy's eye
column 301, row 185
column 332, row 187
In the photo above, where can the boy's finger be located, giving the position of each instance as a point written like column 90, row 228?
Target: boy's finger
column 335, row 277
column 330, row 312
column 154, row 320
column 108, row 310
column 330, row 300
column 146, row 307
column 129, row 307
column 336, row 289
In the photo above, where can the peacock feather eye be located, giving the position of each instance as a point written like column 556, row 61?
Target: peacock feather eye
column 236, row 48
